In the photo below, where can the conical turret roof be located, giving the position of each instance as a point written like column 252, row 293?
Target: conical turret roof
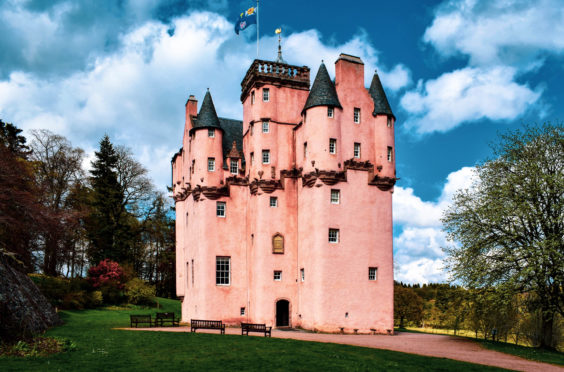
column 323, row 91
column 207, row 117
column 381, row 105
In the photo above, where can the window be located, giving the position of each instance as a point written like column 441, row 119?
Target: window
column 357, row 150
column 273, row 201
column 252, row 126
column 193, row 166
column 266, row 156
column 252, row 157
column 222, row 270
column 332, row 146
column 356, row 115
column 234, row 166
column 389, row 121
column 278, row 275
column 211, row 164
column 389, row 153
column 333, row 235
column 242, row 311
column 220, row 209
column 372, row 273
column 266, row 94
column 302, row 274
column 305, row 149
column 330, row 112
column 335, row 196
column 211, row 133
column 265, row 127
column 278, row 244
column 253, row 97
column 192, row 272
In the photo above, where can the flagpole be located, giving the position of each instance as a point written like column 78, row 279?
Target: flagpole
column 258, row 28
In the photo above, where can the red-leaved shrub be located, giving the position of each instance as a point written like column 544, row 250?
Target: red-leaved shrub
column 107, row 272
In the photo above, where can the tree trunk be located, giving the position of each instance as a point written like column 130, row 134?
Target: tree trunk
column 546, row 339
column 401, row 321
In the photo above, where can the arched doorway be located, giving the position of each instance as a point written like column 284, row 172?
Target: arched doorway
column 282, row 313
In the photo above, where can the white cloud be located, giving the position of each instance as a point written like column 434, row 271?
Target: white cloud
column 418, row 251
column 137, row 93
column 509, row 32
column 466, row 95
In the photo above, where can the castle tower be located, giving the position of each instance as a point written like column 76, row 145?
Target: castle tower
column 292, row 226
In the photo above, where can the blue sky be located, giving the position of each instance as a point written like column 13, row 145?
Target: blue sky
column 456, row 73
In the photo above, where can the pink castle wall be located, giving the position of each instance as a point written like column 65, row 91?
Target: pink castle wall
column 336, row 292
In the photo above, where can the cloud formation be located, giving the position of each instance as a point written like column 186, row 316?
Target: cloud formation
column 501, row 41
column 418, row 248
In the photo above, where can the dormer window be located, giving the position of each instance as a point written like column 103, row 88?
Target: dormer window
column 265, row 127
column 211, row 133
column 356, row 115
column 265, row 94
column 330, row 112
column 234, row 166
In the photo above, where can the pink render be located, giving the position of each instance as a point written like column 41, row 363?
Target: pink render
column 336, row 294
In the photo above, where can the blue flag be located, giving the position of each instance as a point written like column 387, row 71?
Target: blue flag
column 246, row 19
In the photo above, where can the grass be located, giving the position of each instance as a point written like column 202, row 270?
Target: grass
column 99, row 348
column 527, row 352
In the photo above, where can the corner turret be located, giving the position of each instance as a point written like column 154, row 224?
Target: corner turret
column 381, row 105
column 323, row 91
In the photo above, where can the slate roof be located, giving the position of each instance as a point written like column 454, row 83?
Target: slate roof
column 381, row 105
column 323, row 91
column 207, row 117
column 232, row 131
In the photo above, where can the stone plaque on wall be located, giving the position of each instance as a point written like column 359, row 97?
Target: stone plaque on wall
column 278, row 244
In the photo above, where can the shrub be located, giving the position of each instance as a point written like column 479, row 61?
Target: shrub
column 95, row 299
column 108, row 277
column 138, row 292
column 63, row 293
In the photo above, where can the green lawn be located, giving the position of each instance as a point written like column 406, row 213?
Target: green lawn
column 527, row 352
column 99, row 348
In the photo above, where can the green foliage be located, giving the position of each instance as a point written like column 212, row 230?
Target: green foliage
column 508, row 225
column 95, row 299
column 139, row 293
column 101, row 348
column 37, row 347
column 408, row 306
column 62, row 292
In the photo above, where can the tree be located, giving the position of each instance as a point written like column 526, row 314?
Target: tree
column 508, row 225
column 58, row 170
column 407, row 305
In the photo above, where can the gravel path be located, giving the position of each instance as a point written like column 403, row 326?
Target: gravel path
column 441, row 346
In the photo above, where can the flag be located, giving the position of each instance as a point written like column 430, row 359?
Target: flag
column 246, row 19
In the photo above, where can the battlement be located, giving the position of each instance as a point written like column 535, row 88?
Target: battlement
column 278, row 74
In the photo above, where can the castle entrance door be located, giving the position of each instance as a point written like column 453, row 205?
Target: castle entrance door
column 282, row 313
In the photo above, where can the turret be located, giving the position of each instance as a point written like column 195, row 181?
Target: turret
column 384, row 149
column 206, row 153
column 321, row 116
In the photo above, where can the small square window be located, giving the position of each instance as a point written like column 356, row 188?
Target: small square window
column 273, row 201
column 242, row 311
column 330, row 112
column 222, row 270
column 356, row 115
column 278, row 275
column 335, row 196
column 253, row 97
column 332, row 146
column 389, row 154
column 211, row 132
column 234, row 166
column 265, row 127
column 252, row 157
column 333, row 235
column 302, row 274
column 357, row 150
column 266, row 94
column 389, row 121
column 220, row 209
column 211, row 164
column 266, row 156
column 372, row 273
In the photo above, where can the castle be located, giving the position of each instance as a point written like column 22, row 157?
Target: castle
column 285, row 218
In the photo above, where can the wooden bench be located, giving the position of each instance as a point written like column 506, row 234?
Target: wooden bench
column 207, row 324
column 163, row 318
column 140, row 319
column 254, row 327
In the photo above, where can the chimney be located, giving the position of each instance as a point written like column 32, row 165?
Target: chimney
column 349, row 71
column 191, row 110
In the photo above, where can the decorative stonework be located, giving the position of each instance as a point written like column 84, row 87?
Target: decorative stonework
column 383, row 183
column 278, row 244
column 268, row 186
